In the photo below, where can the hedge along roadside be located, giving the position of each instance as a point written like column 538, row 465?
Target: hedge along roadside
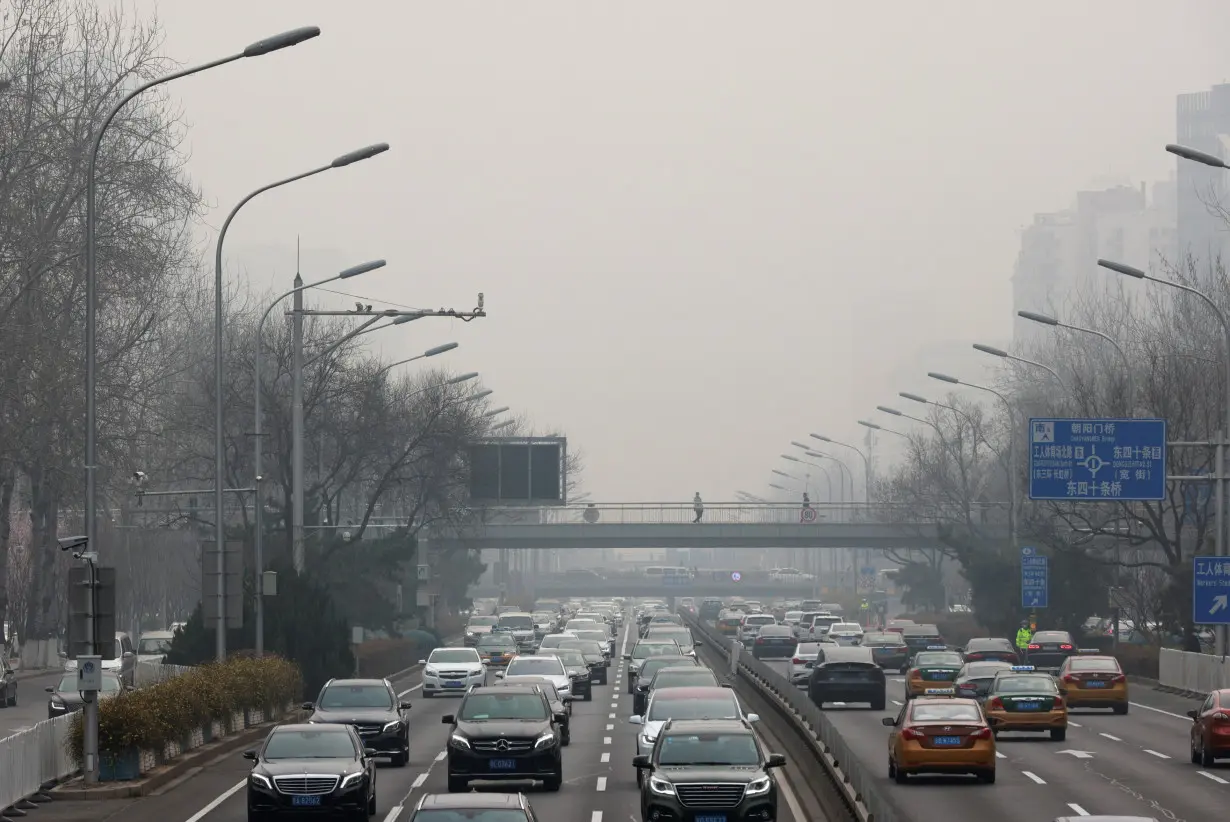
column 140, row 729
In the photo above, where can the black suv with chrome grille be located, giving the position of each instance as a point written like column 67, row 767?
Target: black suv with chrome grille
column 708, row 769
column 372, row 707
column 505, row 733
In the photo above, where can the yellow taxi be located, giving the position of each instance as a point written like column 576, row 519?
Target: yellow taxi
column 937, row 733
column 1024, row 699
column 936, row 667
column 728, row 623
column 496, row 649
column 1094, row 680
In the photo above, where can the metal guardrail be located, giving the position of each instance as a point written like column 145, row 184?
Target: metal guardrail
column 742, row 513
column 856, row 782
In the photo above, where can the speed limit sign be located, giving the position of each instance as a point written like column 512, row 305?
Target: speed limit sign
column 808, row 515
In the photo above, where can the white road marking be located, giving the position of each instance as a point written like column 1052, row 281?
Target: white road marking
column 606, row 740
column 411, row 689
column 1077, row 809
column 610, row 727
column 606, row 757
column 1034, row 777
column 217, row 800
column 840, row 704
column 614, row 704
column 1155, row 753
column 596, row 816
column 1215, row 778
column 393, row 813
column 418, row 781
column 440, row 756
column 1108, row 736
column 897, row 702
column 999, row 755
column 1160, row 711
column 1075, row 725
column 610, row 716
column 899, row 681
column 601, row 784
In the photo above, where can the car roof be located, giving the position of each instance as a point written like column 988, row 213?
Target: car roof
column 328, row 727
column 694, row 692
column 782, row 629
column 702, row 726
column 841, row 653
column 472, row 801
column 995, row 639
column 689, row 670
column 525, row 688
column 356, row 683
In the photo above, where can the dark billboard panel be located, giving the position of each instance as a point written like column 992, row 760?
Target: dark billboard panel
column 518, row 470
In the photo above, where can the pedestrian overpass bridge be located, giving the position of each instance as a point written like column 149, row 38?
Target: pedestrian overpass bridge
column 722, row 525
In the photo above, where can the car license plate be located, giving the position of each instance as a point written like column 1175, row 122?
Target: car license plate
column 946, row 740
column 503, row 764
column 305, row 801
column 1095, row 683
column 452, row 683
column 713, row 817
column 1028, row 706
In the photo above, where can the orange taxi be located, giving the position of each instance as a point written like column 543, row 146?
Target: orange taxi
column 1024, row 699
column 728, row 623
column 1094, row 680
column 938, row 733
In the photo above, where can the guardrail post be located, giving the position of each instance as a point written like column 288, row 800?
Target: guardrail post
column 736, row 647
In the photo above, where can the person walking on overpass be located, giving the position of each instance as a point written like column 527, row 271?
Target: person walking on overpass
column 806, row 500
column 1023, row 635
column 698, row 507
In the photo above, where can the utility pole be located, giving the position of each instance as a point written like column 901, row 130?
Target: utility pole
column 296, row 447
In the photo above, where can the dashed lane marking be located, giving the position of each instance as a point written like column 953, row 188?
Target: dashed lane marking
column 606, row 757
column 596, row 816
column 393, row 813
column 614, row 704
column 1077, row 809
column 418, row 781
column 606, row 740
column 1214, row 777
column 411, row 689
column 601, row 784
column 610, row 727
column 1155, row 753
column 897, row 702
column 1110, row 737
column 610, row 716
column 1074, row 724
column 1034, row 777
column 440, row 756
column 999, row 755
column 1160, row 711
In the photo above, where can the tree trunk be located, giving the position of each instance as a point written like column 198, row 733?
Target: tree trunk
column 42, row 607
column 8, row 478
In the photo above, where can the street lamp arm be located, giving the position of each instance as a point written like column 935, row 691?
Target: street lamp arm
column 345, row 339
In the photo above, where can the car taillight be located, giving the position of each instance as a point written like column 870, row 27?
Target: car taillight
column 973, row 656
column 1059, row 702
column 1065, row 647
column 981, row 733
column 915, row 674
column 759, row 640
column 1220, row 716
column 1069, row 678
column 913, row 733
column 1034, row 646
column 797, row 661
column 1119, row 678
column 996, row 704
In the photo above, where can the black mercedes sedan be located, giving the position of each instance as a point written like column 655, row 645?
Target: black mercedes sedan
column 312, row 769
column 372, row 707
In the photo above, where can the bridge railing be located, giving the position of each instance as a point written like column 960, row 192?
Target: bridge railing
column 742, row 513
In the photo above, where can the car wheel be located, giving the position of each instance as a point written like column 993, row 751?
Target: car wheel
column 567, row 738
column 589, row 695
column 878, row 704
column 371, row 803
column 630, row 686
column 428, row 694
column 553, row 782
column 457, row 784
column 1206, row 758
column 402, row 759
column 900, row 776
column 892, row 769
column 1195, row 754
column 13, row 698
column 988, row 776
column 1059, row 734
column 1121, row 709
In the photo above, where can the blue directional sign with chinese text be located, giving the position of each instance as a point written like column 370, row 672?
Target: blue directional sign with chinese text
column 1035, row 578
column 1097, row 460
column 1211, row 590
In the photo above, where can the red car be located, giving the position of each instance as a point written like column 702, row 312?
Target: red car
column 1211, row 728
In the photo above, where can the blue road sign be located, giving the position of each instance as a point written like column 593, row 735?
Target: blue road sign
column 1211, row 590
column 868, row 571
column 1035, row 578
column 1097, row 460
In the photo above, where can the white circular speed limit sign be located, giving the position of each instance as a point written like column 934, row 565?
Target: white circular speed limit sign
column 808, row 515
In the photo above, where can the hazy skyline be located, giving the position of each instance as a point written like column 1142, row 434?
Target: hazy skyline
column 702, row 229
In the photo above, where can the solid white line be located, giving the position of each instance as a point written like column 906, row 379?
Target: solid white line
column 440, row 756
column 601, row 784
column 606, row 757
column 1208, row 775
column 393, row 813
column 1160, row 711
column 596, row 816
column 610, row 727
column 1108, row 736
column 217, row 800
column 1034, row 777
column 897, row 702
column 999, row 755
column 411, row 689
column 1077, row 809
column 418, row 781
column 606, row 740
column 1155, row 753
column 1074, row 725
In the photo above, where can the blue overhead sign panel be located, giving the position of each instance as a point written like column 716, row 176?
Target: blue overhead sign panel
column 1035, row 578
column 1097, row 460
column 1211, row 590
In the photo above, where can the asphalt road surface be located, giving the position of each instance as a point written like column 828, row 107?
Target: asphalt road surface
column 1135, row 765
column 31, row 706
column 599, row 780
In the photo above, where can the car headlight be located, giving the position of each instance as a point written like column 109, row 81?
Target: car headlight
column 661, row 786
column 430, row 672
column 459, row 741
column 758, row 786
column 389, row 727
column 353, row 779
column 260, row 781
column 648, row 740
column 57, row 704
column 544, row 739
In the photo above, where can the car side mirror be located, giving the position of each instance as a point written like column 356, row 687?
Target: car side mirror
column 448, row 719
column 422, row 662
column 640, row 762
column 403, row 706
column 51, row 690
column 889, row 721
column 753, row 717
column 636, row 720
column 499, row 674
column 776, row 760
column 560, row 719
column 307, row 706
column 627, row 656
column 1193, row 714
column 566, row 698
column 250, row 754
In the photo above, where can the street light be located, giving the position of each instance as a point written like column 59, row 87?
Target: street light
column 258, row 422
column 1128, row 271
column 828, row 480
column 866, row 463
column 874, row 427
column 843, row 472
column 430, row 352
column 1044, row 319
column 1002, row 354
column 495, row 412
column 486, row 392
column 1197, row 156
column 935, row 375
column 502, row 425
column 451, row 381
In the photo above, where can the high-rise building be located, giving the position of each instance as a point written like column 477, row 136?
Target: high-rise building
column 1202, row 121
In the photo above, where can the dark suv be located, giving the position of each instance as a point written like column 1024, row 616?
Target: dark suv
column 504, row 733
column 372, row 707
column 848, row 674
column 708, row 769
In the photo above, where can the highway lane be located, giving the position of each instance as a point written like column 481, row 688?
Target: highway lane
column 31, row 707
column 1133, row 764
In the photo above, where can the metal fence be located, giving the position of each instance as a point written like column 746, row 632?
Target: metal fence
column 34, row 758
column 743, row 513
column 151, row 673
column 1195, row 673
column 871, row 804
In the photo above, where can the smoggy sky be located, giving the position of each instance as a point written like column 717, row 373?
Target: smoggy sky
column 703, row 228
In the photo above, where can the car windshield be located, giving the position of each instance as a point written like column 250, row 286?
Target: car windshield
column 709, row 708
column 596, row 636
column 489, row 621
column 652, row 666
column 356, row 696
column 496, row 641
column 68, row 684
column 985, row 669
column 681, row 636
column 333, row 743
column 1025, row 685
column 452, row 655
column 535, row 666
column 585, row 646
column 684, row 678
column 470, row 815
column 1105, row 664
column 647, row 649
column 153, row 645
column 945, row 712
column 570, row 658
column 846, row 628
column 517, row 623
column 881, row 639
column 807, row 649
column 761, row 619
column 976, row 645
column 480, row 707
column 939, row 658
column 1052, row 636
column 709, row 749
